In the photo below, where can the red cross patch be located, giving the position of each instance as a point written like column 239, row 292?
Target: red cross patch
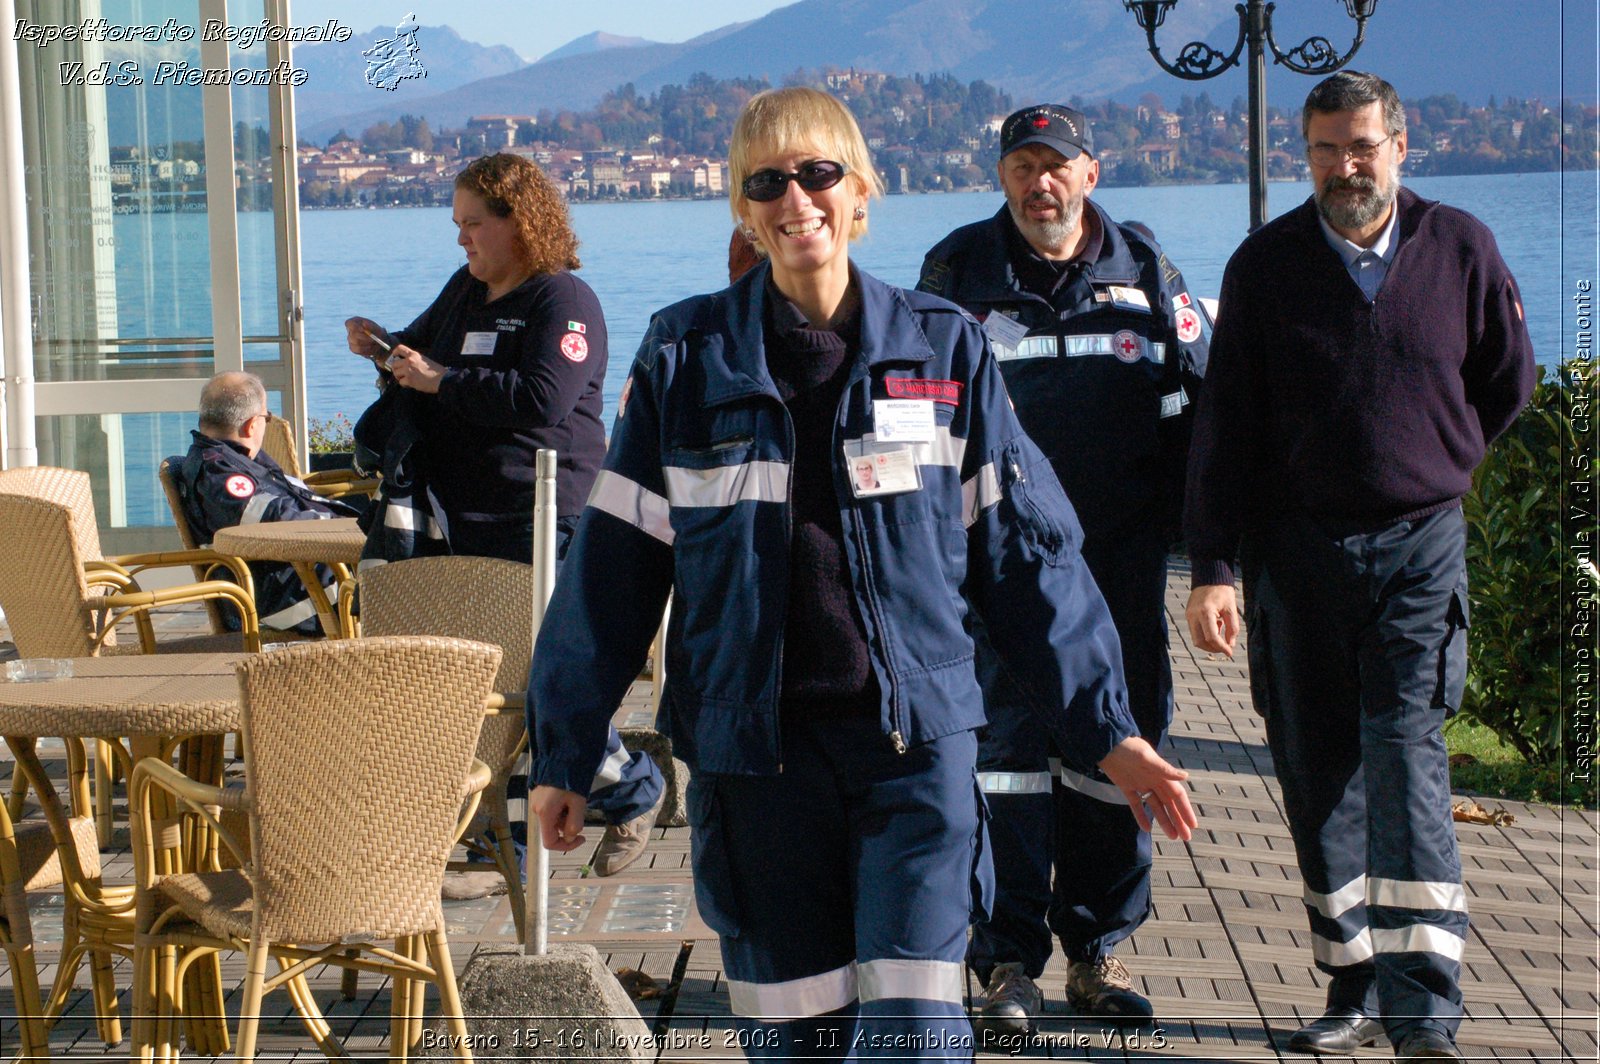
column 240, row 486
column 574, row 347
column 1125, row 345
column 1188, row 324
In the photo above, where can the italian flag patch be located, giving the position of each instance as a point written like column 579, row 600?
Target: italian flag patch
column 576, row 326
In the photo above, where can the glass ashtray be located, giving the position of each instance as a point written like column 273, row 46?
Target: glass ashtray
column 38, row 670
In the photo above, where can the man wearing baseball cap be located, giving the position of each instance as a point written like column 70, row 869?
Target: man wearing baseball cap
column 1102, row 349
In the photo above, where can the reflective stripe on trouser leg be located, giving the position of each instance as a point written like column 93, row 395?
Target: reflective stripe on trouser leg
column 1394, row 602
column 1413, row 670
column 846, row 938
column 1106, row 896
column 1015, row 776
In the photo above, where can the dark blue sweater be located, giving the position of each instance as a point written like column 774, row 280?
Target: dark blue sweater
column 1359, row 414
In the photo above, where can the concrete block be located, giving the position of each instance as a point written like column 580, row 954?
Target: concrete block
column 565, row 1005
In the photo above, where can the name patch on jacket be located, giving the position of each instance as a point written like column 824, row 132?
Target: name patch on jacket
column 947, row 392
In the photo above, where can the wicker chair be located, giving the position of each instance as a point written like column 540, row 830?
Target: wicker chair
column 485, row 599
column 359, row 773
column 278, row 444
column 63, row 599
column 30, row 861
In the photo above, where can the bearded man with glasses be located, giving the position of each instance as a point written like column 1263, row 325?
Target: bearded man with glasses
column 1370, row 345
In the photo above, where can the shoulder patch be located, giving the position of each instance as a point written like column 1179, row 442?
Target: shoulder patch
column 240, row 486
column 1169, row 272
column 935, row 276
column 574, row 348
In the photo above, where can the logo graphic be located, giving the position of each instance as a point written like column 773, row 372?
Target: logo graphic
column 1188, row 323
column 392, row 61
column 1125, row 345
column 574, row 347
column 240, row 486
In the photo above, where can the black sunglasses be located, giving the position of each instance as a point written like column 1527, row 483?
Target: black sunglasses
column 764, row 186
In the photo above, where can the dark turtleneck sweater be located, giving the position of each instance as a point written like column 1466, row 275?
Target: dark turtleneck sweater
column 826, row 668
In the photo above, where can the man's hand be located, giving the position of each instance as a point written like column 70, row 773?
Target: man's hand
column 559, row 814
column 412, row 369
column 1213, row 616
column 1151, row 785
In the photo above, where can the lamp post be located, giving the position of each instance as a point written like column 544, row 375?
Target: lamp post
column 1199, row 61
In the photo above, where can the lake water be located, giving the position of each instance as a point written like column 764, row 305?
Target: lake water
column 638, row 257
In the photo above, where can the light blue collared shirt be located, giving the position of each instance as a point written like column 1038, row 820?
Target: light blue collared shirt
column 1368, row 266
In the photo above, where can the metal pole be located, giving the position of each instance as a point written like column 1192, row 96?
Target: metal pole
column 544, row 582
column 1256, row 35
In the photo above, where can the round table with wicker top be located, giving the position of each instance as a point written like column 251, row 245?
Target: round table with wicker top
column 335, row 542
column 151, row 703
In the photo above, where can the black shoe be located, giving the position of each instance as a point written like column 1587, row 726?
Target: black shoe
column 1339, row 1031
column 1427, row 1043
column 1104, row 989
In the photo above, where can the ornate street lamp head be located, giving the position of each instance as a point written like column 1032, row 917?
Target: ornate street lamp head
column 1151, row 13
column 1360, row 9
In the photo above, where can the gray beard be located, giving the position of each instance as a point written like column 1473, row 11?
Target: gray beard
column 1357, row 212
column 1052, row 235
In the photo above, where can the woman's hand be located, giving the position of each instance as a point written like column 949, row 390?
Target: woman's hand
column 412, row 369
column 559, row 814
column 1151, row 786
column 359, row 332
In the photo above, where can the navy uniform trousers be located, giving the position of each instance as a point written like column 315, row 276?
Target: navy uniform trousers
column 842, row 889
column 1357, row 655
column 1101, row 891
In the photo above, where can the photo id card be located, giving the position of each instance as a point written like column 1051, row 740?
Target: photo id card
column 479, row 343
column 902, row 420
column 883, row 473
column 1004, row 332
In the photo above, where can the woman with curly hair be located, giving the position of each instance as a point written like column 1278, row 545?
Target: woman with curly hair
column 510, row 358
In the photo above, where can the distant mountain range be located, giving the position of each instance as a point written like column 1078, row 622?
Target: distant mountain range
column 1090, row 48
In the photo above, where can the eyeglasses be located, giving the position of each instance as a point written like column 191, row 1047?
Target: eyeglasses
column 1362, row 151
column 764, row 186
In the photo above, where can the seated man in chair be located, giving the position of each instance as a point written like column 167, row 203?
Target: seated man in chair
column 226, row 480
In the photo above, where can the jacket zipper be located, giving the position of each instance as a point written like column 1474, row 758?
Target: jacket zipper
column 897, row 724
column 788, row 542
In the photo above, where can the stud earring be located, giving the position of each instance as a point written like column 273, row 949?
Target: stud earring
column 861, row 212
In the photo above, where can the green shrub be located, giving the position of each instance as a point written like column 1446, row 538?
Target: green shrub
column 1514, row 568
column 331, row 434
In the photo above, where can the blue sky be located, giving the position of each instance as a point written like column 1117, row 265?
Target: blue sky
column 536, row 28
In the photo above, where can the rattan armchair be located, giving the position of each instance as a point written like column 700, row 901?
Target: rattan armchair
column 30, row 861
column 359, row 776
column 485, row 599
column 278, row 444
column 63, row 599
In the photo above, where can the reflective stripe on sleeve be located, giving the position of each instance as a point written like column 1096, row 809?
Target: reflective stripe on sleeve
column 632, row 503
column 1014, row 782
column 1104, row 792
column 255, row 508
column 290, row 616
column 1418, row 938
column 407, row 519
column 810, row 996
column 1407, row 894
column 1339, row 902
column 978, row 493
column 610, row 770
column 916, row 980
column 1340, row 954
column 727, row 485
column 1028, row 347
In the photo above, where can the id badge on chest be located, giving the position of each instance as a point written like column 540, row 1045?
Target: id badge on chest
column 479, row 343
column 883, row 472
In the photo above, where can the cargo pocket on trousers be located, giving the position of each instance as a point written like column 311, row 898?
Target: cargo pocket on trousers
column 708, row 854
column 982, row 884
column 1453, row 652
column 1258, row 652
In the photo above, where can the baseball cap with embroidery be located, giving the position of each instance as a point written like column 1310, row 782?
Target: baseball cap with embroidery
column 1054, row 126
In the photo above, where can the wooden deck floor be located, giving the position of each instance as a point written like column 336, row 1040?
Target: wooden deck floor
column 1226, row 959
